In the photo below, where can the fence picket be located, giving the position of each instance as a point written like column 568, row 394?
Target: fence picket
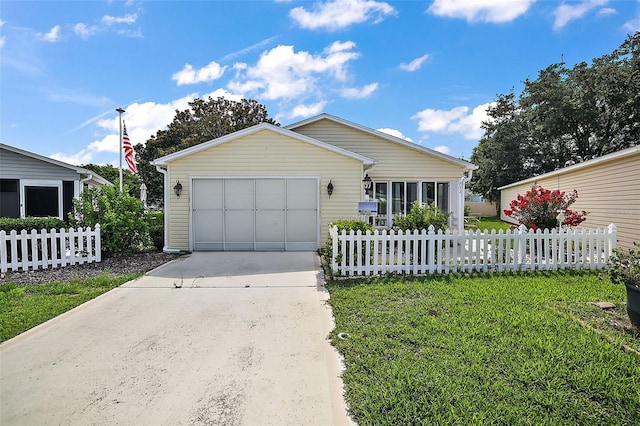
column 426, row 251
column 45, row 249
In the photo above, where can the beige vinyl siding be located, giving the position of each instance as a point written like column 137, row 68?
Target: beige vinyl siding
column 266, row 153
column 609, row 191
column 394, row 161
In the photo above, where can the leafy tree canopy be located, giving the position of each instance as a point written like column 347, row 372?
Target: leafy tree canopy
column 564, row 116
column 205, row 120
column 112, row 174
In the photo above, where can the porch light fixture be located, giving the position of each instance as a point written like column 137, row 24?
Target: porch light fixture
column 178, row 189
column 366, row 183
column 329, row 188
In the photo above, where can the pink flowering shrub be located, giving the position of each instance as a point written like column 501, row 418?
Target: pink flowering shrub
column 538, row 208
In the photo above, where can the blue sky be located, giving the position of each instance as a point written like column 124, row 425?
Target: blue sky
column 423, row 70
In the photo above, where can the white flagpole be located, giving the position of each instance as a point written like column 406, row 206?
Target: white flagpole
column 120, row 111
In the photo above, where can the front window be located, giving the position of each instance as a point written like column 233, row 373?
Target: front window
column 9, row 198
column 41, row 201
column 398, row 197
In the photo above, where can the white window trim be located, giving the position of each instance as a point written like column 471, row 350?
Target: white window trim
column 48, row 183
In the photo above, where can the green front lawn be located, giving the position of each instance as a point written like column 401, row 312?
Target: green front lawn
column 25, row 306
column 487, row 349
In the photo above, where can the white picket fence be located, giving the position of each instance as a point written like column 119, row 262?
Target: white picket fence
column 48, row 249
column 430, row 252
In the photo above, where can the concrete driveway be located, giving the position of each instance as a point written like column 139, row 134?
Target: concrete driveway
column 207, row 339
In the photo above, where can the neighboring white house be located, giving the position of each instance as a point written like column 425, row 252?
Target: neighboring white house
column 274, row 188
column 608, row 188
column 32, row 185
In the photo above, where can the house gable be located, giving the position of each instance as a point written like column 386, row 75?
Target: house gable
column 394, row 157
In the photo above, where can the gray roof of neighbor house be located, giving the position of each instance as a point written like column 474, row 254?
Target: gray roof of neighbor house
column 95, row 178
column 324, row 116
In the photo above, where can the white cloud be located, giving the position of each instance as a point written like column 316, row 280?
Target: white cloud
column 566, row 13
column 359, row 93
column 456, row 120
column 396, row 133
column 443, row 149
column 2, row 23
column 249, row 49
column 52, row 36
column 129, row 18
column 143, row 120
column 606, row 11
column 282, row 73
column 222, row 93
column 82, row 30
column 337, row 14
column 415, row 64
column 188, row 75
column 632, row 25
column 493, row 11
column 302, row 110
column 2, row 41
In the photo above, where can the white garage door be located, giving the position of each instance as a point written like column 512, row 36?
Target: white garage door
column 255, row 214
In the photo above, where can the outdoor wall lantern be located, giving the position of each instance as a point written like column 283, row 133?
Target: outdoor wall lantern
column 366, row 183
column 329, row 188
column 178, row 189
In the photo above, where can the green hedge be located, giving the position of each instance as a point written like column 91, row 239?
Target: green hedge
column 9, row 224
column 155, row 220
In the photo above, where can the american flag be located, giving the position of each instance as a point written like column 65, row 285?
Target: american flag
column 128, row 151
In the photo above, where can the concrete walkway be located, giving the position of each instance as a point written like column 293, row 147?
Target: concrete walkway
column 208, row 339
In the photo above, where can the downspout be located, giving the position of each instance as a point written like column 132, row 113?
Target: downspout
column 166, row 249
column 82, row 181
column 463, row 181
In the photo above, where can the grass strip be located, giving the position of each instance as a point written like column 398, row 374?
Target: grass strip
column 23, row 306
column 484, row 349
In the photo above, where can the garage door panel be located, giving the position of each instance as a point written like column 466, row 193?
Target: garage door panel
column 238, row 194
column 302, row 194
column 301, row 226
column 255, row 214
column 270, row 194
column 207, row 194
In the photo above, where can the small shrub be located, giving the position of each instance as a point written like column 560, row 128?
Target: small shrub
column 625, row 266
column 121, row 218
column 155, row 222
column 539, row 207
column 9, row 224
column 347, row 225
column 421, row 216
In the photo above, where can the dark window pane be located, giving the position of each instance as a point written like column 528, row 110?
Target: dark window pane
column 9, row 198
column 41, row 201
column 412, row 195
column 443, row 196
column 67, row 198
column 397, row 201
column 428, row 192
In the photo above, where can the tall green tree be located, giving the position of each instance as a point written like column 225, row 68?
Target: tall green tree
column 565, row 115
column 203, row 121
column 112, row 174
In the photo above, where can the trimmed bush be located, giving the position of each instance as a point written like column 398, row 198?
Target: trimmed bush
column 121, row 218
column 421, row 217
column 9, row 224
column 155, row 222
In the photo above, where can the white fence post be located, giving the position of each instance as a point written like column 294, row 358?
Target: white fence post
column 44, row 249
column 425, row 251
